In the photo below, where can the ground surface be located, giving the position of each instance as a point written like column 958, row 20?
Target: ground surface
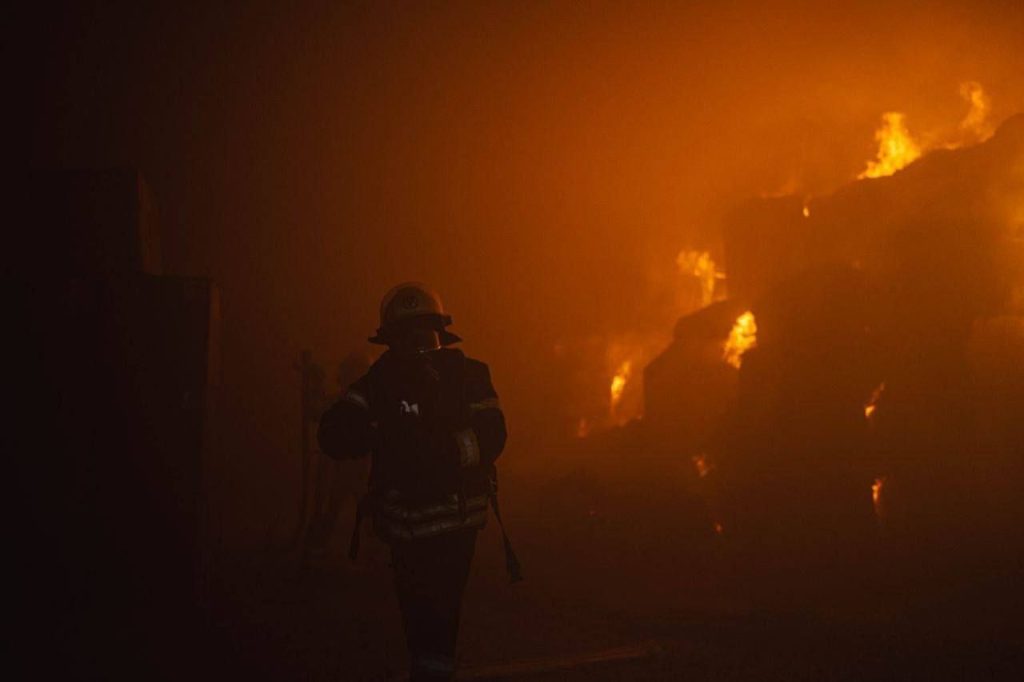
column 658, row 608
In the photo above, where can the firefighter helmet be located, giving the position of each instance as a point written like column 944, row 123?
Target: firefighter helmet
column 412, row 307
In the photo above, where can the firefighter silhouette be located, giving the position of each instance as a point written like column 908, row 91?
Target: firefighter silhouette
column 430, row 419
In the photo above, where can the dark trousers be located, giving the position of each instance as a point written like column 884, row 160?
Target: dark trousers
column 430, row 576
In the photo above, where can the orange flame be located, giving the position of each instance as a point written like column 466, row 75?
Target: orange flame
column 619, row 382
column 872, row 404
column 742, row 338
column 896, row 148
column 876, row 495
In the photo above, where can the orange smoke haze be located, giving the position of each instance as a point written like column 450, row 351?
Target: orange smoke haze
column 540, row 165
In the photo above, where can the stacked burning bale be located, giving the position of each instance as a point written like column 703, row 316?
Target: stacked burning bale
column 689, row 387
column 889, row 362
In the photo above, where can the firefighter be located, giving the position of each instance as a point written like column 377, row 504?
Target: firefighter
column 430, row 418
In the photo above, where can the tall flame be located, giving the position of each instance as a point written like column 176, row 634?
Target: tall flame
column 742, row 338
column 896, row 148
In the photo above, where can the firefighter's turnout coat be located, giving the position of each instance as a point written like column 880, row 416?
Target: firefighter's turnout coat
column 434, row 427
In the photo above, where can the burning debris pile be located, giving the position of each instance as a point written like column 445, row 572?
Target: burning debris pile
column 885, row 314
column 866, row 372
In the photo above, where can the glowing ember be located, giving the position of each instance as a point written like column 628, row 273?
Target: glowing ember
column 896, row 148
column 619, row 382
column 702, row 266
column 807, row 211
column 876, row 495
column 583, row 428
column 872, row 405
column 701, row 464
column 976, row 121
column 718, row 528
column 742, row 338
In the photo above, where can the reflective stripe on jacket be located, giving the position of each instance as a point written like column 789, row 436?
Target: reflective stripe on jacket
column 396, row 520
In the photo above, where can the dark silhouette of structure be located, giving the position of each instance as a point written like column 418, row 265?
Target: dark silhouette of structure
column 116, row 517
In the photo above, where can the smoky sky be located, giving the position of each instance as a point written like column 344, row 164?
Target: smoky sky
column 535, row 162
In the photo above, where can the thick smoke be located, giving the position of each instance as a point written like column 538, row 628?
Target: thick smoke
column 541, row 166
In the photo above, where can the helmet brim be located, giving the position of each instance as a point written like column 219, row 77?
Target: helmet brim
column 387, row 336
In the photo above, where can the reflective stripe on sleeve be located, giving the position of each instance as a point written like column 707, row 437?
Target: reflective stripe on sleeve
column 469, row 447
column 356, row 398
column 486, row 404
